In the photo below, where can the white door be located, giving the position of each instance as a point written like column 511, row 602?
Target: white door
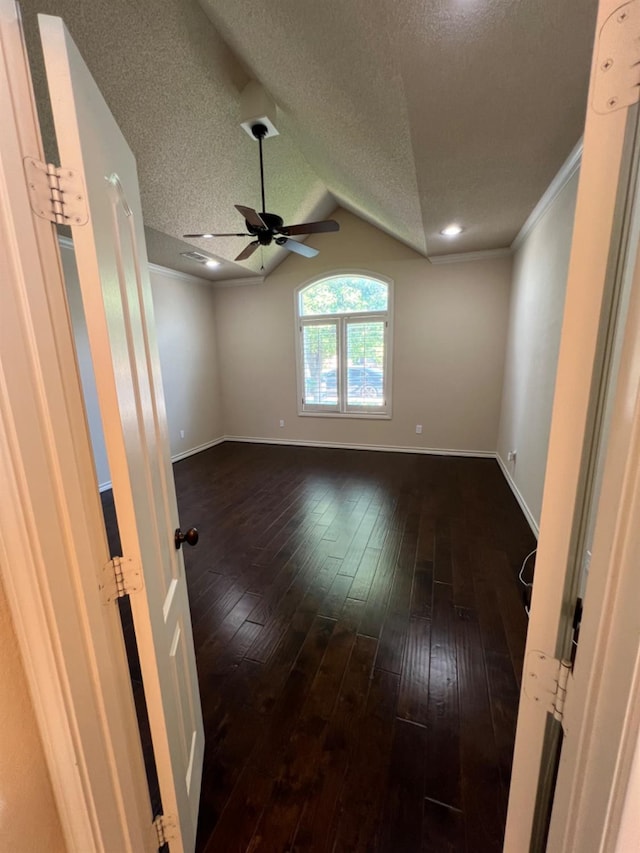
column 114, row 280
column 52, row 534
column 601, row 250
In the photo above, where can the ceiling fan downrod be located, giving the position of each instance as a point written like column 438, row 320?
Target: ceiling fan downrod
column 260, row 131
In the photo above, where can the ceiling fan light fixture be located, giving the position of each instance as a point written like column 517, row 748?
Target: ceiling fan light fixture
column 452, row 230
column 212, row 263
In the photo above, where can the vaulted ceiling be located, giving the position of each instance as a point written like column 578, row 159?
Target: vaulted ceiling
column 411, row 114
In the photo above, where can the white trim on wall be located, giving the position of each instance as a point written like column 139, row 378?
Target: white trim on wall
column 67, row 243
column 533, row 524
column 198, row 449
column 567, row 171
column 182, row 276
column 213, row 282
column 384, row 448
column 465, row 257
column 238, row 282
column 103, row 487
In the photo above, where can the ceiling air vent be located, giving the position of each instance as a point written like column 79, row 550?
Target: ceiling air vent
column 196, row 256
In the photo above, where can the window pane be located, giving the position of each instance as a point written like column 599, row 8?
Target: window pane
column 320, row 353
column 365, row 364
column 344, row 295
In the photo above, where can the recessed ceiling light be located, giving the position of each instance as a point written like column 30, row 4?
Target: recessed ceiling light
column 452, row 230
column 212, row 263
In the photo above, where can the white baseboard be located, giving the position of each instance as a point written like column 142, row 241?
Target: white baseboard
column 533, row 524
column 193, row 450
column 384, row 448
column 102, row 487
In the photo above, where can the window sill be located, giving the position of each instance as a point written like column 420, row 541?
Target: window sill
column 368, row 416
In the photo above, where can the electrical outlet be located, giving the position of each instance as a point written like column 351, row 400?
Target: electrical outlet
column 511, row 456
column 281, row 423
column 418, row 429
column 181, row 433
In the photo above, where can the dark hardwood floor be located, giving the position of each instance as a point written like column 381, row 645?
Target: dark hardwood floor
column 359, row 636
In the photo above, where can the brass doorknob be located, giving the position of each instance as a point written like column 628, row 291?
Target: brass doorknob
column 190, row 537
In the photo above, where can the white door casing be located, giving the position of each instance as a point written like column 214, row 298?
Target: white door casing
column 38, row 444
column 602, row 715
column 589, row 277
column 116, row 293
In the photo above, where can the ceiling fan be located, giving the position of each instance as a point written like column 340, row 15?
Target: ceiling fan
column 268, row 227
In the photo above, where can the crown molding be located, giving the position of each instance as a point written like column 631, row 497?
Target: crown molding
column 67, row 243
column 238, row 282
column 465, row 257
column 182, row 276
column 567, row 171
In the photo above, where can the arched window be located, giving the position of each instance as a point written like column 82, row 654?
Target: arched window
column 343, row 353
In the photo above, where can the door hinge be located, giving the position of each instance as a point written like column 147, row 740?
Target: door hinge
column 56, row 193
column 615, row 83
column 120, row 576
column 166, row 830
column 546, row 682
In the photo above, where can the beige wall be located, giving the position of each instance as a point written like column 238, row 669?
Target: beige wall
column 539, row 283
column 185, row 328
column 448, row 350
column 29, row 820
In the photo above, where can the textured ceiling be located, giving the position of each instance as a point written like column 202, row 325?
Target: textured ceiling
column 410, row 114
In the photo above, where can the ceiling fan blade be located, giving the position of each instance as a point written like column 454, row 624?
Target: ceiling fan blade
column 299, row 248
column 310, row 227
column 248, row 250
column 205, row 236
column 251, row 216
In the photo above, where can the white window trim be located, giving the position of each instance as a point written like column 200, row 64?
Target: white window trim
column 364, row 413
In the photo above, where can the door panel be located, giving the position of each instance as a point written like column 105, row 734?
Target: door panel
column 52, row 538
column 114, row 280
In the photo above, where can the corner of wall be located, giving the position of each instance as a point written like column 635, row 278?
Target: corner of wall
column 541, row 261
column 533, row 524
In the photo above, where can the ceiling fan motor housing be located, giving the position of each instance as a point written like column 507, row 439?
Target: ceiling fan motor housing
column 264, row 235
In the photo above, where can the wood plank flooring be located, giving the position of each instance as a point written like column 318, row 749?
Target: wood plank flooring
column 359, row 638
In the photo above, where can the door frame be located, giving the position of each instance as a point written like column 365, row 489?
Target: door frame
column 602, row 715
column 52, row 536
column 595, row 257
column 51, row 526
